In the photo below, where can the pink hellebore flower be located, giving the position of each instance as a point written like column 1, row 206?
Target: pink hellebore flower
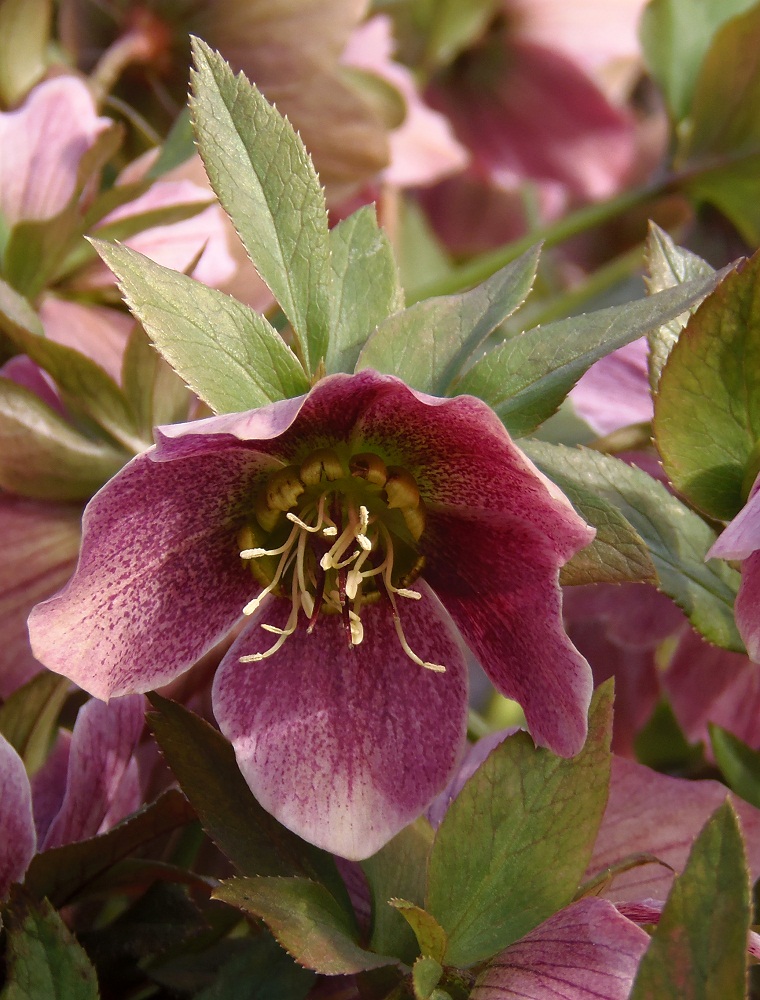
column 88, row 784
column 356, row 526
column 741, row 540
column 615, row 391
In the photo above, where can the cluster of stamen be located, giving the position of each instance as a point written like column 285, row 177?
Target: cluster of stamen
column 334, row 536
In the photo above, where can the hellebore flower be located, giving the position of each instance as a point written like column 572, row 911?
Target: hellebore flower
column 340, row 522
column 88, row 784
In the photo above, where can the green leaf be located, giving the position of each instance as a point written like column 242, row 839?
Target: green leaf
column 739, row 763
column 266, row 183
column 164, row 215
column 526, row 378
column 427, row 344
column 177, row 148
column 675, row 36
column 262, row 971
column 42, row 456
column 25, row 30
column 662, row 746
column 707, row 410
column 677, row 538
column 453, row 26
column 668, row 265
column 29, row 717
column 426, row 975
column 431, row 937
column 699, row 948
column 514, row 844
column 734, row 189
column 365, row 286
column 45, row 961
column 306, row 920
column 398, row 869
column 227, row 353
column 63, row 873
column 152, row 388
column 204, row 764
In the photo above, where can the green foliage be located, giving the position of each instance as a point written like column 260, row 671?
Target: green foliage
column 739, row 763
column 516, row 841
column 152, row 388
column 526, row 378
column 432, row 939
column 306, row 920
column 25, row 30
column 266, row 183
column 260, row 971
column 698, row 949
column 365, row 286
column 677, row 538
column 29, row 717
column 707, row 410
column 427, row 344
column 426, row 975
column 45, row 961
column 226, row 352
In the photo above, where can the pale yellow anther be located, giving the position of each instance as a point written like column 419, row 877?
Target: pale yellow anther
column 321, row 464
column 330, row 531
column 357, row 629
column 401, row 489
column 364, row 542
column 413, row 595
column 369, row 466
column 283, row 489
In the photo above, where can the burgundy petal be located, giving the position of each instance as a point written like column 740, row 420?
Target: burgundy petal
column 38, row 555
column 747, row 607
column 497, row 579
column 653, row 813
column 346, row 745
column 159, row 579
column 18, row 839
column 587, row 951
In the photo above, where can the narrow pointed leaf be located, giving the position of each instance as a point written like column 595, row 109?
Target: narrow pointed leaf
column 739, row 763
column 266, row 183
column 306, row 920
column 525, row 379
column 45, row 961
column 707, row 409
column 699, row 947
column 427, row 344
column 426, row 975
column 29, row 717
column 227, row 353
column 365, row 286
column 677, row 538
column 431, row 937
column 516, row 841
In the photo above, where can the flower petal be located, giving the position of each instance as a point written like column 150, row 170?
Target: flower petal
column 587, row 951
column 747, row 606
column 18, row 839
column 742, row 536
column 346, row 745
column 653, row 813
column 38, row 555
column 96, row 331
column 41, row 145
column 615, row 391
column 101, row 785
column 498, row 579
column 159, row 579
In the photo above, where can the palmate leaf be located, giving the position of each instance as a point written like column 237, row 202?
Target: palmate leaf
column 265, row 181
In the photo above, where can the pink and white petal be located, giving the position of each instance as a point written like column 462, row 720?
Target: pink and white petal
column 462, row 457
column 587, row 951
column 100, row 783
column 159, row 579
column 498, row 579
column 615, row 391
column 742, row 536
column 18, row 839
column 473, row 757
column 97, row 331
column 49, row 784
column 656, row 814
column 747, row 606
column 41, row 145
column 37, row 557
column 706, row 684
column 346, row 745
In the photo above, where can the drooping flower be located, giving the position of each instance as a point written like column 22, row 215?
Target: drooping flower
column 88, row 784
column 356, row 527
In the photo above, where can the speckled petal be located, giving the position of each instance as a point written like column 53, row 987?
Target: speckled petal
column 587, row 951
column 159, row 579
column 346, row 746
column 497, row 578
column 653, row 813
column 18, row 839
column 38, row 555
column 101, row 786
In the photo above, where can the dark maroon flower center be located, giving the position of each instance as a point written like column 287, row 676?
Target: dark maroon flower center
column 332, row 535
